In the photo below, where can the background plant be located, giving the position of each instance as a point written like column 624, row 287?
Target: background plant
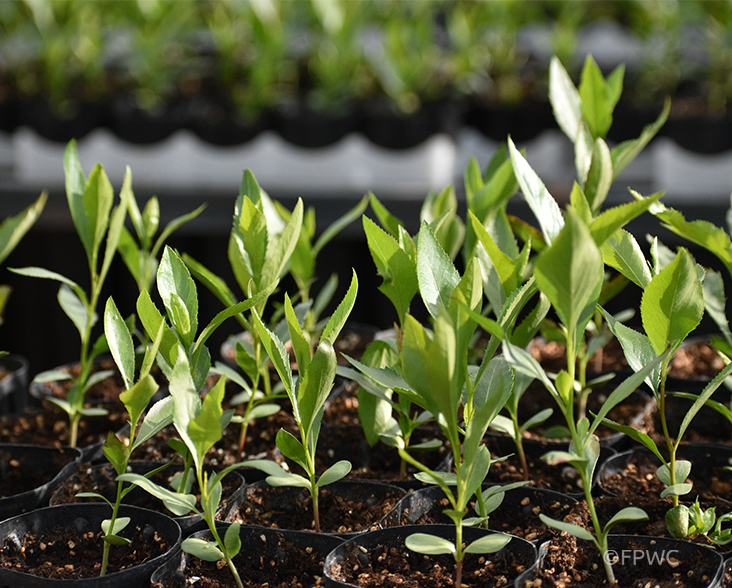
column 98, row 225
column 12, row 230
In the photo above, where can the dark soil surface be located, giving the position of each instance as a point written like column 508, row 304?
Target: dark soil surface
column 639, row 478
column 291, row 508
column 518, row 514
column 64, row 555
column 573, row 563
column 23, row 472
column 102, row 480
column 304, row 568
column 697, row 360
column 49, row 425
column 397, row 567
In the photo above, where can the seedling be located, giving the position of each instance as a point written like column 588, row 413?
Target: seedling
column 570, row 273
column 433, row 373
column 200, row 426
column 144, row 424
column 308, row 394
column 97, row 224
column 261, row 246
column 671, row 308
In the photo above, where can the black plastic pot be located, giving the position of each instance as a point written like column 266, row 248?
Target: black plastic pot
column 518, row 512
column 709, row 461
column 102, row 480
column 36, row 471
column 560, row 478
column 79, row 520
column 357, row 553
column 136, row 125
column 41, row 117
column 385, row 126
column 260, row 546
column 640, row 558
column 380, row 463
column 14, row 386
column 215, row 120
column 522, row 122
column 281, row 505
column 305, row 127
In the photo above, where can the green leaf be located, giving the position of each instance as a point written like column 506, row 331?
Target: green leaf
column 74, row 308
column 157, row 418
column 205, row 550
column 683, row 469
column 292, row 448
column 178, row 504
column 288, row 479
column 630, row 514
column 389, row 222
column 205, row 429
column 14, row 228
column 429, row 544
column 394, row 265
column 622, row 252
column 673, row 303
column 120, row 342
column 565, row 99
column 676, row 490
column 489, row 543
column 340, row 316
column 574, row 530
column 541, row 202
column 232, row 540
column 337, row 471
column 176, row 284
column 597, row 109
column 116, row 452
column 610, row 221
column 314, row 387
column 570, row 272
column 436, row 273
column 522, row 361
column 119, row 524
column 706, row 394
column 279, row 257
column 300, row 344
column 715, row 302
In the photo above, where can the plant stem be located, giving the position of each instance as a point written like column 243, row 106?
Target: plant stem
column 113, row 520
column 661, row 400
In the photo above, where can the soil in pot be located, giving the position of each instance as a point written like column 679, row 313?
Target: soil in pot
column 634, row 472
column 29, row 473
column 102, row 479
column 651, row 562
column 345, row 507
column 561, row 478
column 47, row 424
column 269, row 557
column 64, row 542
column 381, row 559
column 380, row 462
column 260, row 442
column 518, row 514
